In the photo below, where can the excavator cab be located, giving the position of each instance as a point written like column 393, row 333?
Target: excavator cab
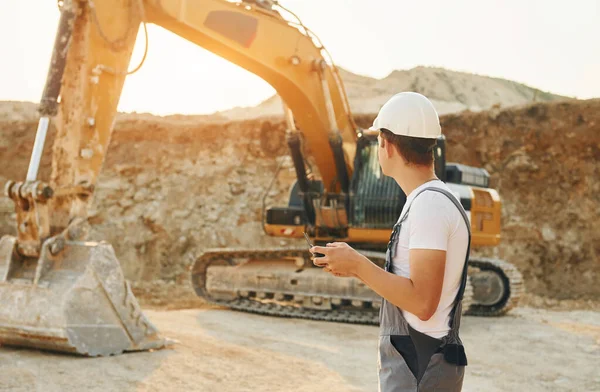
column 375, row 202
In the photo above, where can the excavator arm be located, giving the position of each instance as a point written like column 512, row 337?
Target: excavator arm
column 93, row 48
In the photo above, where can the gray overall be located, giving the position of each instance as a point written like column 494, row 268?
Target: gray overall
column 426, row 364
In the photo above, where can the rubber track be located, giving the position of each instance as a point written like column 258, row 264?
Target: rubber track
column 369, row 317
column 511, row 275
column 270, row 307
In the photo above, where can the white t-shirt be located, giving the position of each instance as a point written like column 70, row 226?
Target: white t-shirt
column 433, row 222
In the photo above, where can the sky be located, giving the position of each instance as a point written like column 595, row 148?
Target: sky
column 551, row 45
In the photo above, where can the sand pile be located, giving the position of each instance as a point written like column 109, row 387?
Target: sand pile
column 450, row 92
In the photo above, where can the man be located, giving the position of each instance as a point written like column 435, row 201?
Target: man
column 425, row 274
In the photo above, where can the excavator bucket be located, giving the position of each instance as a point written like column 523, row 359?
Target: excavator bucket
column 73, row 298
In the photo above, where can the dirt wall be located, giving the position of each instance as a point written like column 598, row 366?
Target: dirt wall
column 172, row 187
column 544, row 160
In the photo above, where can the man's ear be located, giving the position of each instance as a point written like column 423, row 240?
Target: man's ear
column 389, row 149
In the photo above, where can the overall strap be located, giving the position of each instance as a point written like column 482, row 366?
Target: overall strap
column 396, row 232
column 463, row 281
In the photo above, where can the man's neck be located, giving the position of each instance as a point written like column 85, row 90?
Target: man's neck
column 413, row 177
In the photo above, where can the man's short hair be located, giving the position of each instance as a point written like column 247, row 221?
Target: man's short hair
column 416, row 150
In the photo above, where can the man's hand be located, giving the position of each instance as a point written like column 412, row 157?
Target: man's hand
column 340, row 259
column 419, row 295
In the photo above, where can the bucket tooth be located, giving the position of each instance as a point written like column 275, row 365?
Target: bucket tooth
column 77, row 301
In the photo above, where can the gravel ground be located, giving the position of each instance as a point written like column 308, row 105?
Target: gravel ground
column 220, row 350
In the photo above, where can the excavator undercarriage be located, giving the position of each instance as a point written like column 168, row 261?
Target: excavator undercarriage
column 284, row 282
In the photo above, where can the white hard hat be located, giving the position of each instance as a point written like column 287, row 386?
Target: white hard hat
column 409, row 114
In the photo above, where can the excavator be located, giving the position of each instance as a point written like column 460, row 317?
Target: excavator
column 61, row 290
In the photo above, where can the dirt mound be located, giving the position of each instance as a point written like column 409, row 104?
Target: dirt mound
column 450, row 92
column 174, row 186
